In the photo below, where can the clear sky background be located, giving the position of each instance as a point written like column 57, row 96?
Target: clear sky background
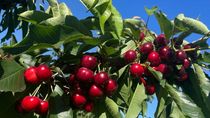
column 129, row 8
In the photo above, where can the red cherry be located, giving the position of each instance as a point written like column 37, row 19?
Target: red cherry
column 187, row 46
column 130, row 56
column 111, row 87
column 181, row 55
column 85, row 75
column 166, row 53
column 44, row 72
column 154, row 58
column 95, row 92
column 186, row 63
column 150, row 89
column 136, row 69
column 30, row 103
column 89, row 107
column 72, row 79
column 141, row 36
column 89, row 61
column 31, row 76
column 163, row 68
column 146, row 48
column 161, row 41
column 101, row 78
column 79, row 100
column 43, row 108
column 183, row 77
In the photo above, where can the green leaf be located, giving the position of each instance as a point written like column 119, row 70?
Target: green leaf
column 59, row 104
column 130, row 45
column 11, row 77
column 202, row 42
column 64, row 10
column 136, row 103
column 151, row 11
column 191, row 24
column 112, row 107
column 34, row 17
column 184, row 102
column 205, row 57
column 158, row 75
column 166, row 25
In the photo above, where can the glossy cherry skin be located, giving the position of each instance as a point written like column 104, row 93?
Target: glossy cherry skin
column 141, row 36
column 146, row 48
column 150, row 89
column 136, row 70
column 79, row 100
column 44, row 72
column 30, row 103
column 85, row 75
column 181, row 55
column 130, row 56
column 43, row 108
column 166, row 53
column 111, row 87
column 161, row 41
column 89, row 107
column 89, row 61
column 154, row 58
column 101, row 78
column 95, row 91
column 163, row 68
column 186, row 63
column 31, row 76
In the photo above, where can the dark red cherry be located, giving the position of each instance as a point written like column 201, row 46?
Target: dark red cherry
column 95, row 91
column 186, row 63
column 44, row 72
column 111, row 87
column 141, row 36
column 89, row 61
column 79, row 100
column 85, row 75
column 101, row 78
column 89, row 107
column 163, row 68
column 181, row 55
column 136, row 69
column 154, row 58
column 146, row 48
column 43, row 108
column 150, row 89
column 30, row 103
column 161, row 41
column 130, row 56
column 31, row 76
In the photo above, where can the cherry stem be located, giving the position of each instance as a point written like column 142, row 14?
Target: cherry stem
column 36, row 90
column 46, row 96
column 122, row 107
column 192, row 49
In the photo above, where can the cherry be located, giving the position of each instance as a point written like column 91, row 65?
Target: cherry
column 30, row 103
column 31, row 76
column 85, row 74
column 44, row 72
column 89, row 61
column 150, row 89
column 89, row 107
column 186, row 63
column 183, row 77
column 136, row 69
column 43, row 108
column 79, row 100
column 154, row 58
column 166, row 53
column 163, row 68
column 72, row 79
column 101, row 78
column 130, row 56
column 146, row 48
column 141, row 36
column 188, row 46
column 95, row 91
column 111, row 87
column 180, row 55
column 160, row 41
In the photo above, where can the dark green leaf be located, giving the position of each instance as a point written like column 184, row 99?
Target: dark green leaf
column 11, row 77
column 165, row 24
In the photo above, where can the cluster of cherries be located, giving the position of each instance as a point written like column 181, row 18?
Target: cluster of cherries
column 87, row 86
column 161, row 58
column 35, row 75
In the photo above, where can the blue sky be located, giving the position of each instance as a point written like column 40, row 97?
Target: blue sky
column 129, row 8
